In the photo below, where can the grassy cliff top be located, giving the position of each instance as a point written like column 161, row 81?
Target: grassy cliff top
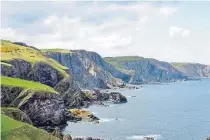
column 10, row 51
column 15, row 82
column 123, row 58
column 16, row 130
column 117, row 62
column 57, row 50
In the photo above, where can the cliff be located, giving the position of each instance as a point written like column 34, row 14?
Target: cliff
column 89, row 69
column 193, row 70
column 31, row 64
column 143, row 70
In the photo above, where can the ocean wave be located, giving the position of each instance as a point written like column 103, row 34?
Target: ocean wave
column 110, row 119
column 132, row 96
column 143, row 137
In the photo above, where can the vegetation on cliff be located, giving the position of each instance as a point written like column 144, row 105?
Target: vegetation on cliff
column 56, row 50
column 15, row 130
column 11, row 51
column 16, row 82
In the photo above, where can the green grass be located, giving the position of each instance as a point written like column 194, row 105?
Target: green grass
column 16, row 130
column 15, row 82
column 118, row 62
column 10, row 51
column 15, row 113
column 6, row 64
column 57, row 50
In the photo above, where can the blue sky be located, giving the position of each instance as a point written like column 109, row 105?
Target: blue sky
column 168, row 31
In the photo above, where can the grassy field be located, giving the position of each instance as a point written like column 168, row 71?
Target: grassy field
column 10, row 51
column 56, row 50
column 16, row 130
column 25, row 84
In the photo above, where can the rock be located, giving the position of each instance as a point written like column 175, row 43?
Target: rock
column 117, row 97
column 45, row 109
column 57, row 133
column 149, row 138
column 208, row 138
column 67, row 137
column 84, row 115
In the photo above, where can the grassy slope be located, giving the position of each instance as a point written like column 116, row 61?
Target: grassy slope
column 16, row 130
column 11, row 51
column 117, row 62
column 15, row 82
column 56, row 50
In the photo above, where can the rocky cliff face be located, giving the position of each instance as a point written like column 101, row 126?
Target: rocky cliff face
column 89, row 70
column 146, row 70
column 42, row 107
column 194, row 70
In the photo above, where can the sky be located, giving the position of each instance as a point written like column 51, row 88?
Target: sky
column 167, row 31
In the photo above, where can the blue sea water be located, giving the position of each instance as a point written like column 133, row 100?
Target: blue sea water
column 170, row 111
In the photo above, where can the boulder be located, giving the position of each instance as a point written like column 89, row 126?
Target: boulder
column 117, row 97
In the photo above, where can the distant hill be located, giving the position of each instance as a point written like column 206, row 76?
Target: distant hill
column 145, row 70
column 193, row 69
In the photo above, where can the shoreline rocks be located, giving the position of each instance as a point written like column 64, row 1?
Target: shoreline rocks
column 98, row 97
column 84, row 115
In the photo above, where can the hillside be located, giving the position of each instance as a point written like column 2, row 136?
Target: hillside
column 193, row 69
column 144, row 70
column 22, row 61
column 40, row 102
column 88, row 66
column 11, row 130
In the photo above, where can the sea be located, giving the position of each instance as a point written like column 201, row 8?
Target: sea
column 167, row 111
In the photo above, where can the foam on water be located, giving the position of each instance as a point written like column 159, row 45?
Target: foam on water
column 110, row 119
column 143, row 137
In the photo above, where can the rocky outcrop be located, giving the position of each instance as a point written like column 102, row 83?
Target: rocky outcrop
column 98, row 96
column 84, row 115
column 193, row 70
column 42, row 107
column 116, row 97
column 89, row 66
column 145, row 70
column 48, row 75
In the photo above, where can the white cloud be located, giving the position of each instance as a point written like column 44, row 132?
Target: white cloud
column 177, row 31
column 167, row 11
column 109, row 28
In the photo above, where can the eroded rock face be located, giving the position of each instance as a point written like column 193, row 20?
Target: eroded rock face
column 39, row 72
column 8, row 94
column 42, row 107
column 193, row 70
column 45, row 74
column 89, row 66
column 148, row 71
column 45, row 109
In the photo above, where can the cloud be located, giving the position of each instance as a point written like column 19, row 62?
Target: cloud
column 177, row 31
column 167, row 11
column 109, row 28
